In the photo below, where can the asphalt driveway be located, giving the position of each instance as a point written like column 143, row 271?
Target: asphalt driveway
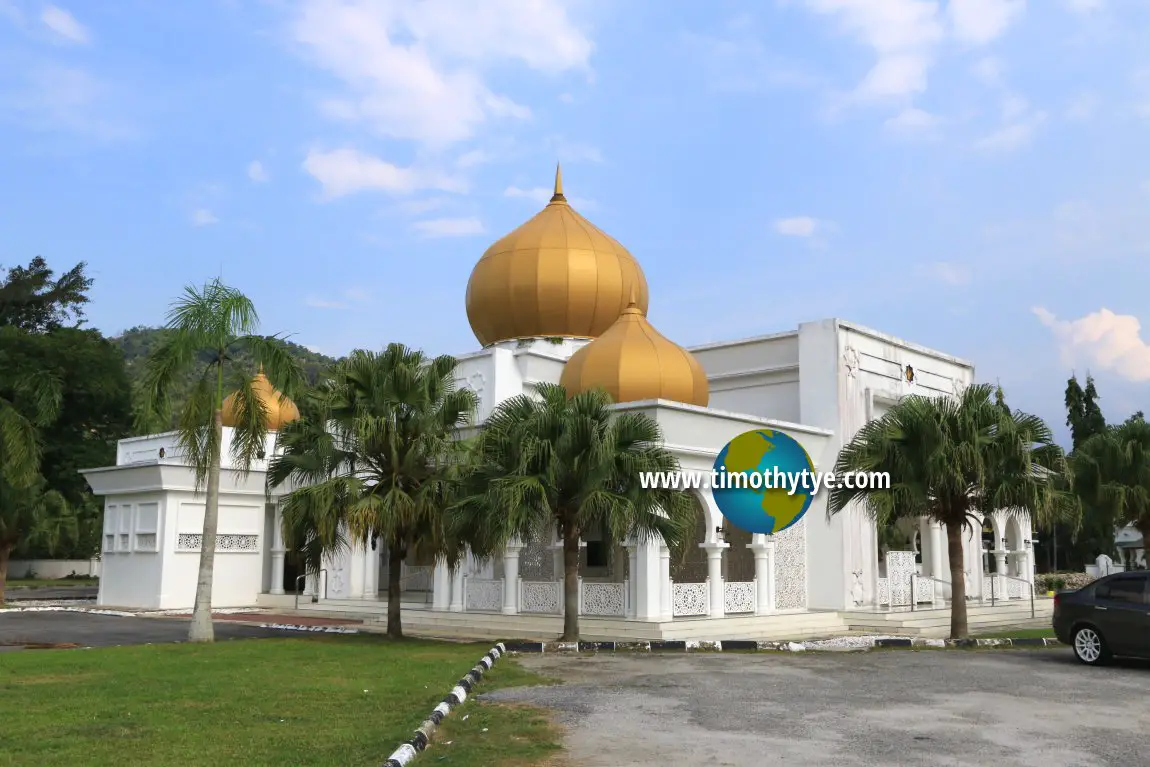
column 91, row 630
column 890, row 708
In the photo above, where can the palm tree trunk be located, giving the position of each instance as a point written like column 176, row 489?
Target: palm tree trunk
column 201, row 629
column 394, row 593
column 570, row 584
column 5, row 552
column 958, row 621
column 1143, row 526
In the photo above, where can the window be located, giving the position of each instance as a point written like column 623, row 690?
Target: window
column 598, row 554
column 1128, row 590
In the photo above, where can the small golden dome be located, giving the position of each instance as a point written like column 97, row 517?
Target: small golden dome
column 280, row 409
column 558, row 275
column 632, row 361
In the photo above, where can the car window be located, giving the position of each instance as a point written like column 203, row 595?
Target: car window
column 1128, row 590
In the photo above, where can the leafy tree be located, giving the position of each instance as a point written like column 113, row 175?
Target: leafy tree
column 552, row 462
column 35, row 514
column 213, row 323
column 1094, row 534
column 138, row 343
column 375, row 455
column 31, row 300
column 1112, row 470
column 950, row 459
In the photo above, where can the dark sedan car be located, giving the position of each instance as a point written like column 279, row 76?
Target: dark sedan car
column 1108, row 617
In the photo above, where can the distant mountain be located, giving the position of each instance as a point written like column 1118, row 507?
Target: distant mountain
column 138, row 342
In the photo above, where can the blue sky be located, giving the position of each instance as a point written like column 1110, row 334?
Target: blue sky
column 971, row 175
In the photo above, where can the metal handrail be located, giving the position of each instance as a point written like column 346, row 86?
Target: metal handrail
column 314, row 597
column 993, row 576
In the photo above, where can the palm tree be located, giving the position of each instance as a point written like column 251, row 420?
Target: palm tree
column 34, row 514
column 375, row 454
column 208, row 327
column 1112, row 469
column 950, row 459
column 572, row 464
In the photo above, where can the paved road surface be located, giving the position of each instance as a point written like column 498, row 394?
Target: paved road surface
column 90, row 630
column 1007, row 708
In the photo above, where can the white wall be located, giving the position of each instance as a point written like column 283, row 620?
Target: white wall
column 756, row 376
column 240, row 550
column 132, row 561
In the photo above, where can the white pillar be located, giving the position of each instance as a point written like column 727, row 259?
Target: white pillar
column 936, row 545
column 441, row 585
column 278, row 553
column 763, row 547
column 356, row 567
column 456, row 604
column 511, row 577
column 715, row 576
column 666, row 606
column 646, row 576
column 632, row 577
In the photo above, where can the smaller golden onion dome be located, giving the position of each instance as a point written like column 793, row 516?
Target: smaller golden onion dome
column 556, row 275
column 280, row 409
column 632, row 361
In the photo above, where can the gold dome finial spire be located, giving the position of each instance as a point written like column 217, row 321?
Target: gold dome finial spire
column 558, row 196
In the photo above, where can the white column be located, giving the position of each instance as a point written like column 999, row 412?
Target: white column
column 511, row 577
column 936, row 546
column 456, row 604
column 632, row 577
column 441, row 585
column 648, row 593
column 715, row 576
column 278, row 553
column 666, row 605
column 356, row 567
column 763, row 547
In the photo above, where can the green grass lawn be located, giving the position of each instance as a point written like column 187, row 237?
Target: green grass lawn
column 336, row 700
column 50, row 583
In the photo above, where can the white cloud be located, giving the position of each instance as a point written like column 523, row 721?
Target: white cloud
column 979, row 22
column 989, row 70
column 1084, row 6
column 449, row 227
column 64, row 24
column 204, row 217
column 347, row 171
column 903, row 35
column 950, row 273
column 1102, row 339
column 256, row 172
column 1019, row 124
column 60, row 98
column 798, row 226
column 913, row 122
column 415, row 70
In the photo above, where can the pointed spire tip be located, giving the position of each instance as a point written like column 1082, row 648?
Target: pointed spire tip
column 558, row 195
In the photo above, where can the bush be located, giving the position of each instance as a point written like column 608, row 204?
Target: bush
column 1057, row 581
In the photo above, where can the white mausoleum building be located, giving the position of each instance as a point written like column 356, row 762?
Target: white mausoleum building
column 559, row 301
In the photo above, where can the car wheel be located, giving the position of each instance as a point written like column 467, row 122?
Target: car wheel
column 1090, row 647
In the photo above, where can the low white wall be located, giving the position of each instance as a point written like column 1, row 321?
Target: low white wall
column 53, row 568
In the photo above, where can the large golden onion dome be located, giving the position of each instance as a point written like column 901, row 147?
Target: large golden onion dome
column 632, row 361
column 280, row 409
column 558, row 275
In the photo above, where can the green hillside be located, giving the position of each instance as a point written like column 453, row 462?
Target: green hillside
column 137, row 343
